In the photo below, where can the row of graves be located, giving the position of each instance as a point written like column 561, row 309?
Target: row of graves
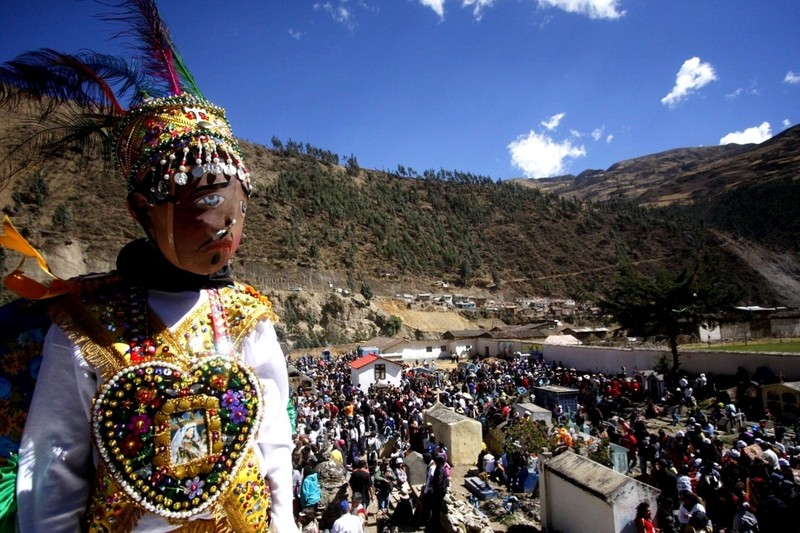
column 608, row 498
column 567, row 476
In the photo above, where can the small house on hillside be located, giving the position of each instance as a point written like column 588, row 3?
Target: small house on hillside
column 374, row 369
column 587, row 334
column 463, row 343
column 504, row 341
column 785, row 323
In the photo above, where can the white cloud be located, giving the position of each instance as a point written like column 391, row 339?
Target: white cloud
column 609, row 138
column 436, row 5
column 692, row 76
column 340, row 13
column 595, row 9
column 479, row 6
column 792, row 78
column 756, row 135
column 539, row 156
column 553, row 122
column 576, row 134
column 295, row 34
column 786, row 123
column 752, row 91
column 597, row 133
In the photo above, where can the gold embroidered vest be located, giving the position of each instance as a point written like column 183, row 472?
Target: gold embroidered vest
column 174, row 421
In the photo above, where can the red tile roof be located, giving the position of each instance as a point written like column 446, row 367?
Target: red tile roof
column 364, row 361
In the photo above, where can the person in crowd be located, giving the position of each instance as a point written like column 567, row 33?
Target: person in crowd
column 744, row 521
column 384, row 484
column 310, row 490
column 403, row 515
column 434, row 496
column 347, row 522
column 690, row 504
column 359, row 508
column 361, row 482
column 644, row 519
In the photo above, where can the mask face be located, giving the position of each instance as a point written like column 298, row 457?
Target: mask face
column 201, row 230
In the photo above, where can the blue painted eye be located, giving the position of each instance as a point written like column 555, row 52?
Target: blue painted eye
column 210, row 201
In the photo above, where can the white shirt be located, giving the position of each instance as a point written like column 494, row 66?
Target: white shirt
column 347, row 523
column 489, row 463
column 685, row 514
column 57, row 459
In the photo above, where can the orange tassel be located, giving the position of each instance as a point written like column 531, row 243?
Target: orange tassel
column 19, row 282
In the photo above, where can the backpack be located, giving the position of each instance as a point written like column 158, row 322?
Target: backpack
column 448, row 473
column 748, row 523
column 710, row 482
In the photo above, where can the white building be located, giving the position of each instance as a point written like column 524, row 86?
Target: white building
column 417, row 351
column 374, row 369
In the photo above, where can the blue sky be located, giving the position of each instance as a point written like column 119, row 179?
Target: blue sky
column 501, row 88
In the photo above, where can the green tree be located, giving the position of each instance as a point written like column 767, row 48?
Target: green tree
column 39, row 190
column 351, row 165
column 366, row 291
column 527, row 437
column 465, row 272
column 62, row 217
column 498, row 282
column 392, row 326
column 666, row 303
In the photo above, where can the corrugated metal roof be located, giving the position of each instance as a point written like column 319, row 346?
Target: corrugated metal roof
column 464, row 334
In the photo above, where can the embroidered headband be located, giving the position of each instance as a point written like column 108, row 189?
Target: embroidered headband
column 174, row 137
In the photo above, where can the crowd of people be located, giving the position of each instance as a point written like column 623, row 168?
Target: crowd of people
column 704, row 483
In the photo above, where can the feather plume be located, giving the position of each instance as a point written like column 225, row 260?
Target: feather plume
column 88, row 79
column 67, row 101
column 82, row 133
column 74, row 101
column 154, row 45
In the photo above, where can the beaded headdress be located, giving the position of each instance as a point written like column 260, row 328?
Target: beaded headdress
column 168, row 138
column 146, row 114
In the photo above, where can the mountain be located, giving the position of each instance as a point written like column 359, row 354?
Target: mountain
column 683, row 175
column 318, row 222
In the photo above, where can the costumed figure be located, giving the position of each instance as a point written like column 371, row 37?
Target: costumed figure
column 161, row 402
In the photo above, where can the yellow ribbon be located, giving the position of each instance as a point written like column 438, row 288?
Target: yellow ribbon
column 17, row 281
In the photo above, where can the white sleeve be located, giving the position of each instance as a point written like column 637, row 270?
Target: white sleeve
column 263, row 353
column 55, row 458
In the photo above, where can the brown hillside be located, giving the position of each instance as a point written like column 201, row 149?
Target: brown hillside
column 316, row 222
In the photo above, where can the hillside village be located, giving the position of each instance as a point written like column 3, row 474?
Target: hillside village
column 443, row 325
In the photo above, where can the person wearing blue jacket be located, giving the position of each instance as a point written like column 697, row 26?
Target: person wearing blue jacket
column 309, row 491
